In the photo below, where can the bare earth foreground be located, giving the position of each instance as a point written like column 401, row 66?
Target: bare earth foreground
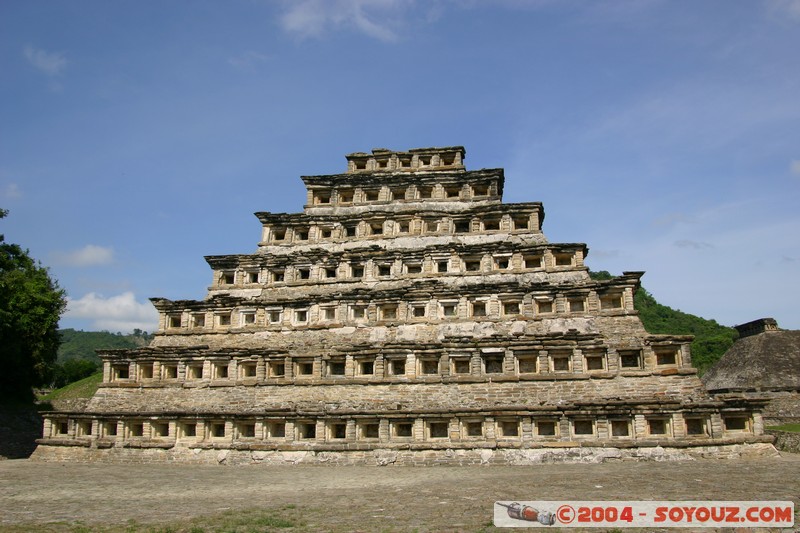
column 63, row 497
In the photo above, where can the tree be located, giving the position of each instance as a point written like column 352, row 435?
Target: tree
column 30, row 306
column 72, row 370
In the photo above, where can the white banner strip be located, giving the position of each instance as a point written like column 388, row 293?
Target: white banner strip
column 644, row 514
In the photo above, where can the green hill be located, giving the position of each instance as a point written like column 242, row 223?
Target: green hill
column 82, row 344
column 711, row 340
column 76, row 355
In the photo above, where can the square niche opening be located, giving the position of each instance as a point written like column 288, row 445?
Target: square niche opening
column 438, row 430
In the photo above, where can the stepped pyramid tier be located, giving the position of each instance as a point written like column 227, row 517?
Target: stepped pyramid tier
column 406, row 316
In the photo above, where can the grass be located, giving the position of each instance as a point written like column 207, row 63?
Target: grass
column 279, row 519
column 84, row 388
column 248, row 521
column 795, row 428
column 287, row 519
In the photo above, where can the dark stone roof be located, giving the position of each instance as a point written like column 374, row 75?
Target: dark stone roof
column 767, row 361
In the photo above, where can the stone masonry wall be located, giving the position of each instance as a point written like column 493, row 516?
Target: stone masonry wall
column 387, row 457
column 403, row 396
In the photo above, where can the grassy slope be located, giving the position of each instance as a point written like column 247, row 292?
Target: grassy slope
column 795, row 428
column 84, row 388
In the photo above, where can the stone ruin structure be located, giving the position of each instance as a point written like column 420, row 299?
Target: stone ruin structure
column 764, row 364
column 406, row 316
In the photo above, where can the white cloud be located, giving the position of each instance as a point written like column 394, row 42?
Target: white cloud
column 305, row 19
column 795, row 167
column 383, row 19
column 604, row 254
column 311, row 18
column 700, row 115
column 744, row 274
column 116, row 313
column 11, row 191
column 247, row 60
column 672, row 219
column 89, row 255
column 784, row 8
column 694, row 245
column 50, row 63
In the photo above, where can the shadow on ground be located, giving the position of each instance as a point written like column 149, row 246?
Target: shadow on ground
column 20, row 426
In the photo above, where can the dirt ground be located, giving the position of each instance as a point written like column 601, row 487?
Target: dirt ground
column 391, row 498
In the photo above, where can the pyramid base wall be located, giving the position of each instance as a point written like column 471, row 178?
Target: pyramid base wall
column 385, row 457
column 786, row 441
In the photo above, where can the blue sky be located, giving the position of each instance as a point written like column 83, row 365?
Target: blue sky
column 138, row 136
